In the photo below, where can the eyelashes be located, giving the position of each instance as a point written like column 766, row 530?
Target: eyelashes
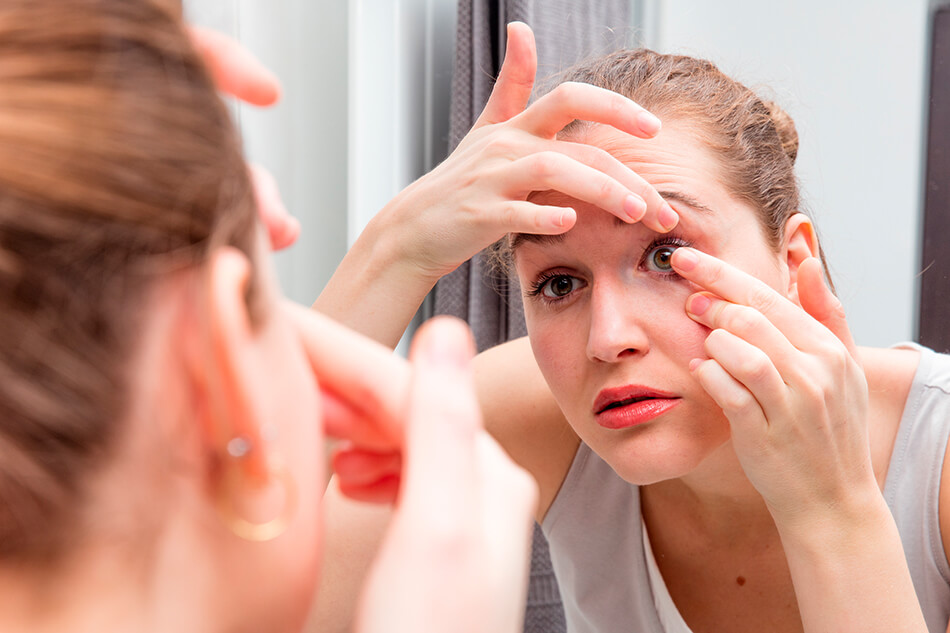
column 553, row 286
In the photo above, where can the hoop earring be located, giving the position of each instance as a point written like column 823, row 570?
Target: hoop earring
column 244, row 528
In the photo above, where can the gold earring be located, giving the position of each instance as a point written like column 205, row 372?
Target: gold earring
column 242, row 527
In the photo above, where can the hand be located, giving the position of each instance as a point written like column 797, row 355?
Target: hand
column 365, row 390
column 481, row 191
column 790, row 385
column 455, row 557
column 238, row 73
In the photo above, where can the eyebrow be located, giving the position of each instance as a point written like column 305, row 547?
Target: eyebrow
column 548, row 240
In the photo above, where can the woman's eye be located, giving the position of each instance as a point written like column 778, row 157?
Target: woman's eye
column 560, row 286
column 659, row 258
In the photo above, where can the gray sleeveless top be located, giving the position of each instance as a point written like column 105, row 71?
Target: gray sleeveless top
column 596, row 534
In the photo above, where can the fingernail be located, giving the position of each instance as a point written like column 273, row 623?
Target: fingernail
column 698, row 304
column 685, row 259
column 565, row 218
column 693, row 364
column 635, row 207
column 668, row 217
column 648, row 122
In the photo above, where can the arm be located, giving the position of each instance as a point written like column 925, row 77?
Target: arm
column 796, row 398
column 479, row 194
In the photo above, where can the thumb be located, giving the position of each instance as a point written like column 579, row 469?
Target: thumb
column 444, row 419
column 819, row 302
column 513, row 87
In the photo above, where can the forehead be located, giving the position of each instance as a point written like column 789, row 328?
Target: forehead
column 677, row 163
column 677, row 157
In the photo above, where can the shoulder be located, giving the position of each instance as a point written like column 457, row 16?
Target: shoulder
column 521, row 413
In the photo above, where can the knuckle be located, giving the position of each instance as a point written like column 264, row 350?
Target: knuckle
column 606, row 188
column 499, row 145
column 737, row 401
column 566, row 92
column 741, row 320
column 542, row 166
column 756, row 367
column 507, row 214
column 617, row 104
column 762, row 298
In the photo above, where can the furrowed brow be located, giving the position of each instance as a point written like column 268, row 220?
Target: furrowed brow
column 686, row 199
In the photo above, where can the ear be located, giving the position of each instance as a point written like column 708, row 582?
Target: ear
column 801, row 242
column 224, row 369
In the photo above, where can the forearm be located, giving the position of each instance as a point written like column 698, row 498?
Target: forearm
column 377, row 288
column 851, row 575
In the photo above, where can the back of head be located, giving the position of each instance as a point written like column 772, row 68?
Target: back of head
column 118, row 163
column 754, row 141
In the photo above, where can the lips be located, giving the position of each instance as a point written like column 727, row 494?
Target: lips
column 626, row 406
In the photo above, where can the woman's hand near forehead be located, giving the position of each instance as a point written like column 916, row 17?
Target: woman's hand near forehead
column 480, row 193
column 788, row 380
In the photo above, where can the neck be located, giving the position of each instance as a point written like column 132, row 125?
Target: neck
column 110, row 588
column 715, row 501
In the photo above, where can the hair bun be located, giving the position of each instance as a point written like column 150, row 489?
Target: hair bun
column 785, row 127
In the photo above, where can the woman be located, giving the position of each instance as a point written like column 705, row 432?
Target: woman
column 719, row 448
column 162, row 423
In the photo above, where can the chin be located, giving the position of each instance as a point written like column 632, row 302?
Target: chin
column 654, row 453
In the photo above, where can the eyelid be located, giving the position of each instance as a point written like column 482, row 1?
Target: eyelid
column 671, row 240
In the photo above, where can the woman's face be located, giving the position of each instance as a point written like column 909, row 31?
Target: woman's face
column 606, row 315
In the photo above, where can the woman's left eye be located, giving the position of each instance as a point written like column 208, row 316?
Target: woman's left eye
column 659, row 258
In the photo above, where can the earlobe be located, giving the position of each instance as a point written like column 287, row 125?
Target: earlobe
column 232, row 382
column 801, row 242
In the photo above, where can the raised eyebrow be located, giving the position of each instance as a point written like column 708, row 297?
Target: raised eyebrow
column 550, row 240
column 547, row 240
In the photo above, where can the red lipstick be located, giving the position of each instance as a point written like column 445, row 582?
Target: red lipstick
column 630, row 405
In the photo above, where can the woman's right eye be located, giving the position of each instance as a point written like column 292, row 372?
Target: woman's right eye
column 560, row 286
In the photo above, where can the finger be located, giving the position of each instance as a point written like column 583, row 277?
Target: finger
column 570, row 101
column 384, row 491
column 361, row 467
column 342, row 421
column 282, row 228
column 444, row 420
column 518, row 216
column 554, row 171
column 753, row 369
column 657, row 215
column 747, row 324
column 512, row 89
column 364, row 374
column 736, row 286
column 737, row 403
column 235, row 71
column 818, row 301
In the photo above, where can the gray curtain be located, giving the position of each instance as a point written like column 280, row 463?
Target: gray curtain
column 566, row 32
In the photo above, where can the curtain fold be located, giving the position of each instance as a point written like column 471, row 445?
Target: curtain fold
column 566, row 32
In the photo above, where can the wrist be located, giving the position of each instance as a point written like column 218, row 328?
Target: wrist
column 834, row 527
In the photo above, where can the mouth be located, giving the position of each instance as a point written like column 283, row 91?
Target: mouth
column 627, row 395
column 632, row 405
column 623, row 403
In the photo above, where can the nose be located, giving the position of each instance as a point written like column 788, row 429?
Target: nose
column 618, row 324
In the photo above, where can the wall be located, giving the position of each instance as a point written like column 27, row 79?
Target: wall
column 303, row 140
column 852, row 75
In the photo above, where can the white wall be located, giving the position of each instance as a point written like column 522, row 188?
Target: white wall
column 303, row 140
column 852, row 75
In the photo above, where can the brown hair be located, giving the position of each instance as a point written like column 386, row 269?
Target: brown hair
column 754, row 140
column 117, row 162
